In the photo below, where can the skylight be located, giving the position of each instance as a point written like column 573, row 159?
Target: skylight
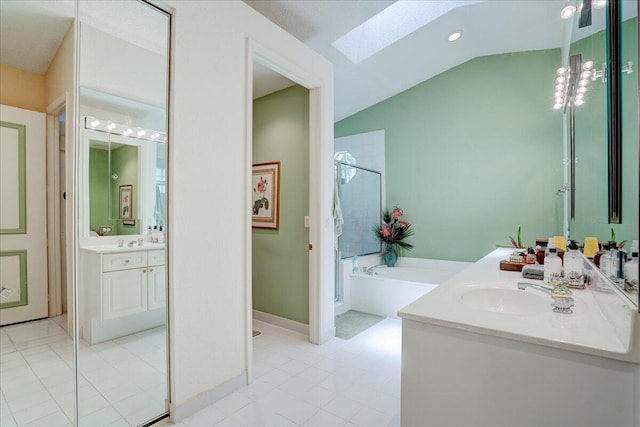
column 392, row 24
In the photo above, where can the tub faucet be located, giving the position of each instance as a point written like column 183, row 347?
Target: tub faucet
column 562, row 300
column 369, row 270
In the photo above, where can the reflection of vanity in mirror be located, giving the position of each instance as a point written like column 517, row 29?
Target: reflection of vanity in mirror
column 123, row 169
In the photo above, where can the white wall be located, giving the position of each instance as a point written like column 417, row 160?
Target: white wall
column 208, row 178
column 112, row 65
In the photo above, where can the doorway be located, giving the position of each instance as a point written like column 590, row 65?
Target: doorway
column 56, row 210
column 280, row 200
column 319, row 83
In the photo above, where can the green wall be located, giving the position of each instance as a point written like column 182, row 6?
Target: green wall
column 591, row 145
column 124, row 162
column 473, row 153
column 281, row 257
column 99, row 189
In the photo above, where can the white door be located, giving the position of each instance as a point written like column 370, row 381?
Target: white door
column 23, row 245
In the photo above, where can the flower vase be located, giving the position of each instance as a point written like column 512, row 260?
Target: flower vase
column 390, row 256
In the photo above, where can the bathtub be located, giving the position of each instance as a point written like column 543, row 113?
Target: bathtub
column 389, row 289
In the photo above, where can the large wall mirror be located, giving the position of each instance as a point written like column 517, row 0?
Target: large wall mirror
column 590, row 164
column 122, row 168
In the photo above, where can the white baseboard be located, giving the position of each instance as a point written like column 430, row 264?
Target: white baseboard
column 204, row 399
column 272, row 319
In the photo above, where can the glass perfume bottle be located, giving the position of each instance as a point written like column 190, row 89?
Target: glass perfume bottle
column 552, row 266
column 574, row 266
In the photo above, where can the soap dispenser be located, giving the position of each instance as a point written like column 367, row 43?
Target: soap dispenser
column 552, row 265
column 354, row 264
column 574, row 266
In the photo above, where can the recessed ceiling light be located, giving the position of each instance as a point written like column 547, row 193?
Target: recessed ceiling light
column 567, row 12
column 392, row 24
column 599, row 4
column 454, row 36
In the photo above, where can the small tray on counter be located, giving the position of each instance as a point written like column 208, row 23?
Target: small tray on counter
column 511, row 266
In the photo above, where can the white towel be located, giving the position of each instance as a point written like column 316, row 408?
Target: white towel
column 338, row 220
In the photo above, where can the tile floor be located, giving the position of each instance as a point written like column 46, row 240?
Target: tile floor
column 341, row 383
column 122, row 382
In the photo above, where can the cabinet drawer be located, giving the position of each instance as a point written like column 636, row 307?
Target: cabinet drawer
column 157, row 257
column 124, row 261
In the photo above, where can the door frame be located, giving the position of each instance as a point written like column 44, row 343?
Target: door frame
column 321, row 277
column 54, row 259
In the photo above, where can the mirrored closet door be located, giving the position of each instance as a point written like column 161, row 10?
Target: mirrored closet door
column 121, row 176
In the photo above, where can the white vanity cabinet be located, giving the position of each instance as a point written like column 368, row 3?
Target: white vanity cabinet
column 123, row 290
column 156, row 280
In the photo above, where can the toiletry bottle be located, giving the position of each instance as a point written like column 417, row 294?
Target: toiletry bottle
column 574, row 266
column 354, row 264
column 609, row 262
column 154, row 235
column 550, row 244
column 552, row 266
column 161, row 235
column 631, row 273
column 605, row 263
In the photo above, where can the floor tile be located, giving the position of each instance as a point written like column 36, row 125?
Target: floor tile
column 232, row 403
column 343, row 407
column 368, row 417
column 325, row 419
column 209, row 416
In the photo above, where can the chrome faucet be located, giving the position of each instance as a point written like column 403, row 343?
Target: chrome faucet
column 562, row 300
column 369, row 270
column 131, row 243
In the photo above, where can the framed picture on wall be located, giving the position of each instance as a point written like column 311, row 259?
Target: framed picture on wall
column 126, row 202
column 265, row 195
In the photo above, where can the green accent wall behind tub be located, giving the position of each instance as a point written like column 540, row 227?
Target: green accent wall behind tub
column 473, row 153
column 281, row 257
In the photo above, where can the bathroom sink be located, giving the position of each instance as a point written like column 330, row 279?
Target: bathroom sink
column 507, row 301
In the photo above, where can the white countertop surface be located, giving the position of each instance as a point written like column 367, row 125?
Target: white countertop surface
column 587, row 330
column 114, row 248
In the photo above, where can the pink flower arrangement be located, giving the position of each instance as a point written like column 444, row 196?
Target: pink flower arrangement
column 392, row 231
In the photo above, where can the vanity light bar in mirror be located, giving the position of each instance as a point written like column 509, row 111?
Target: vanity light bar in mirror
column 108, row 126
column 572, row 83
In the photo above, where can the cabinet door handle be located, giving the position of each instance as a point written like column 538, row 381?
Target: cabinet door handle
column 150, row 270
column 126, row 261
column 144, row 270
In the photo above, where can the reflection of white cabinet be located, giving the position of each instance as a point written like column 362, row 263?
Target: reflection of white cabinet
column 123, row 291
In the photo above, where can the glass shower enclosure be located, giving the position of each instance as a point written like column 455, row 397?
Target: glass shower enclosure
column 359, row 196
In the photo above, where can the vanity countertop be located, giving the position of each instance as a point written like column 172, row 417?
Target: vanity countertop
column 604, row 325
column 114, row 248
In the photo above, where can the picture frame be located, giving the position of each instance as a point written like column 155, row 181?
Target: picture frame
column 128, row 222
column 265, row 195
column 126, row 202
